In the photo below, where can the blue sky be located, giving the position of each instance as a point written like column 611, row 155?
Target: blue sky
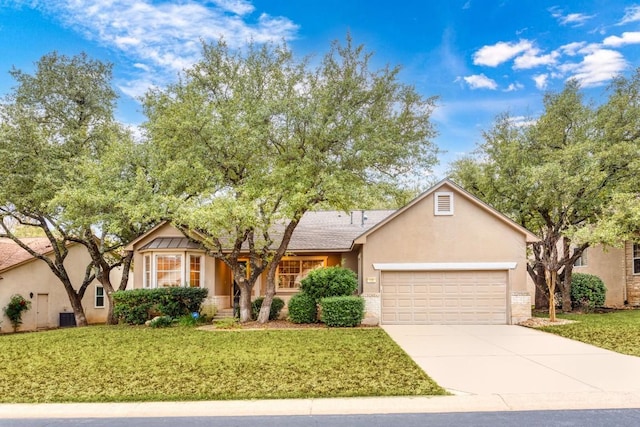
column 480, row 57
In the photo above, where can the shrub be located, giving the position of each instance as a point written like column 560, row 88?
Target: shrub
column 302, row 308
column 345, row 311
column 587, row 291
column 17, row 305
column 136, row 306
column 276, row 306
column 189, row 319
column 161, row 322
column 329, row 282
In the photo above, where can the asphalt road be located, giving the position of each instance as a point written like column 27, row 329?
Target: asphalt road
column 581, row 418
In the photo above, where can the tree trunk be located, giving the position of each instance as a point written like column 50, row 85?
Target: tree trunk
column 565, row 286
column 551, row 277
column 273, row 265
column 76, row 305
column 245, row 302
column 567, row 306
column 270, row 292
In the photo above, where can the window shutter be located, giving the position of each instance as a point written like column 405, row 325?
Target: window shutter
column 443, row 203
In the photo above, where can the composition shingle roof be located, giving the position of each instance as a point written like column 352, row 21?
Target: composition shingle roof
column 333, row 230
column 11, row 254
column 317, row 231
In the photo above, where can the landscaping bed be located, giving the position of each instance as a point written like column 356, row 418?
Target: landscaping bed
column 123, row 363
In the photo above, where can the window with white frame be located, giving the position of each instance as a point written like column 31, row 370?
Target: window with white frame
column 443, row 203
column 195, row 271
column 636, row 258
column 164, row 270
column 292, row 271
column 99, row 302
column 582, row 260
column 146, row 277
column 169, row 271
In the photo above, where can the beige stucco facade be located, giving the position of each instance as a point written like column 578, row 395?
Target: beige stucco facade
column 35, row 282
column 472, row 237
column 609, row 265
column 615, row 266
column 217, row 276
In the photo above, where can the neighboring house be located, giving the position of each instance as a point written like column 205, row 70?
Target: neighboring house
column 20, row 273
column 446, row 258
column 619, row 269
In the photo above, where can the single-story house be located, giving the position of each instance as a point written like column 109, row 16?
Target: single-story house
column 619, row 269
column 22, row 274
column 445, row 258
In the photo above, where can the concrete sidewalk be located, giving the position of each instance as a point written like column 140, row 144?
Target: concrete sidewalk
column 338, row 406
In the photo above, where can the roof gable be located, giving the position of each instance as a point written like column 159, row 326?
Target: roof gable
column 448, row 185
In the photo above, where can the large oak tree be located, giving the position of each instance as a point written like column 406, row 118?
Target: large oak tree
column 561, row 175
column 248, row 141
column 67, row 166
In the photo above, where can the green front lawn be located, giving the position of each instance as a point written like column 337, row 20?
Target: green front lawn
column 107, row 364
column 618, row 330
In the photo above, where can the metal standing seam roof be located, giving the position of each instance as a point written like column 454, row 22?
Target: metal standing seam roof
column 171, row 243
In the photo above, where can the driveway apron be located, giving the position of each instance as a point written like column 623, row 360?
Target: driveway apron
column 506, row 359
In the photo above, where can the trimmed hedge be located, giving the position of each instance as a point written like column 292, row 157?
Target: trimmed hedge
column 329, row 282
column 276, row 306
column 587, row 291
column 302, row 309
column 345, row 311
column 137, row 306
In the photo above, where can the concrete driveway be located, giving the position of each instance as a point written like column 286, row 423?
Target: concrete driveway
column 504, row 359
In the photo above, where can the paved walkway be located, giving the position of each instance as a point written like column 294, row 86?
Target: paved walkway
column 489, row 368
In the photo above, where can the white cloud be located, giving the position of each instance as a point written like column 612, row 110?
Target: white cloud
column 627, row 38
column 522, row 121
column 541, row 81
column 597, row 67
column 500, row 52
column 572, row 49
column 514, row 87
column 239, row 7
column 532, row 58
column 164, row 36
column 572, row 19
column 480, row 81
column 631, row 14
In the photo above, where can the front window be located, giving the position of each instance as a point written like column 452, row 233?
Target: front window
column 292, row 271
column 168, row 271
column 195, row 271
column 146, row 280
column 636, row 258
column 99, row 297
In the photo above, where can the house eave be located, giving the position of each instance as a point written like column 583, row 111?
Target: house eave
column 446, row 266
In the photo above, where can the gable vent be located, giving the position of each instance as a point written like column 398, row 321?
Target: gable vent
column 443, row 203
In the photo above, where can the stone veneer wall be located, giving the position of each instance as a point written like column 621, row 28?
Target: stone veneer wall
column 633, row 280
column 372, row 307
column 520, row 307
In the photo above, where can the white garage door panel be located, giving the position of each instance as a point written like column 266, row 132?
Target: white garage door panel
column 444, row 297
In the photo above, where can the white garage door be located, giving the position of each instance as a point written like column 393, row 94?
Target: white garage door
column 444, row 297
